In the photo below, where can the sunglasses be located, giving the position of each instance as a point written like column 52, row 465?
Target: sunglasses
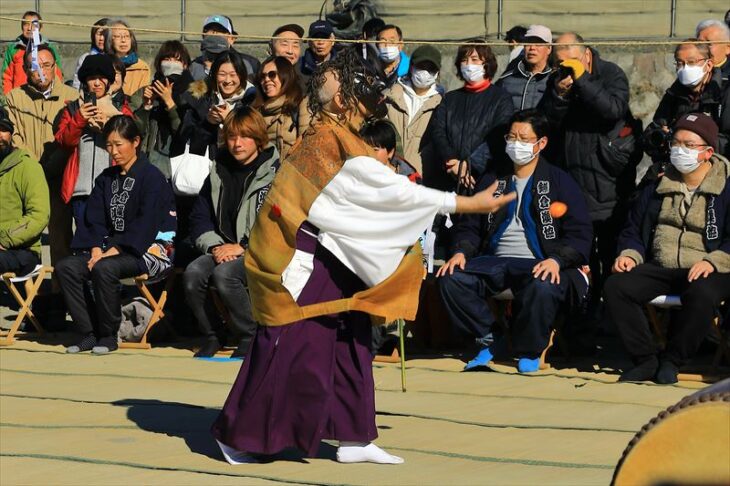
column 272, row 75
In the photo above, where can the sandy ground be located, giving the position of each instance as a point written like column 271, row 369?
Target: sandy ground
column 142, row 417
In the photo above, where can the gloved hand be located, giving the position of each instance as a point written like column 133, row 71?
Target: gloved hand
column 574, row 65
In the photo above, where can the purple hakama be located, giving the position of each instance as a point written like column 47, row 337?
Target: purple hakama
column 309, row 380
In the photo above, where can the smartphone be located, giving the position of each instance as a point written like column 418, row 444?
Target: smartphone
column 92, row 99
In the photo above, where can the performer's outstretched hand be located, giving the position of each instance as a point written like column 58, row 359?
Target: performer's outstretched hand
column 483, row 201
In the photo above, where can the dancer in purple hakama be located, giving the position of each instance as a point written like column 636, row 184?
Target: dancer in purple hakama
column 332, row 253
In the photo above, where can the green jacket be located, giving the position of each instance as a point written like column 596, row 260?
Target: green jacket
column 24, row 201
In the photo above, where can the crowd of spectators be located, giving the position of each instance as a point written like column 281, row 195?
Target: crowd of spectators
column 94, row 161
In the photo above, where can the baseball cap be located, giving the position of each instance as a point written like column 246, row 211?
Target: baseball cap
column 220, row 20
column 296, row 28
column 536, row 33
column 320, row 29
column 701, row 124
column 426, row 53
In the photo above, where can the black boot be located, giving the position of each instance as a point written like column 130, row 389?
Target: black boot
column 643, row 371
column 667, row 374
column 242, row 349
column 212, row 345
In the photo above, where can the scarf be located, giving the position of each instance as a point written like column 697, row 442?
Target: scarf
column 478, row 87
column 130, row 59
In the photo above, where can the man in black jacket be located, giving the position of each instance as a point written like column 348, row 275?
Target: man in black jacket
column 588, row 105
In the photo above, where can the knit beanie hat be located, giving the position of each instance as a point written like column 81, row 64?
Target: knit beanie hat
column 701, row 124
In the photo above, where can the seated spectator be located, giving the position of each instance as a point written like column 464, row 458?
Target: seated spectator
column 222, row 218
column 676, row 241
column 126, row 231
column 25, row 205
column 97, row 47
column 515, row 37
column 80, row 132
column 698, row 88
column 320, row 50
column 719, row 33
column 469, row 125
column 526, row 247
column 281, row 103
column 289, row 42
column 411, row 103
column 14, row 72
column 381, row 135
column 212, row 45
column 527, row 81
column 158, row 111
column 396, row 63
column 122, row 43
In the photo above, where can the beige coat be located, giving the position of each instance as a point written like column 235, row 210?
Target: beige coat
column 279, row 126
column 33, row 116
column 137, row 77
column 417, row 151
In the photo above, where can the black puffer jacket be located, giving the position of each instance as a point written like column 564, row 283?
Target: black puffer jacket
column 594, row 110
column 471, row 126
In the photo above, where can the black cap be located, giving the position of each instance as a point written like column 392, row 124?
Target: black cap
column 5, row 124
column 296, row 28
column 321, row 29
column 97, row 65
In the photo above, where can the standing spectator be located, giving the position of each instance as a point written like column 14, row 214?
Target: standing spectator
column 224, row 213
column 122, row 43
column 97, row 47
column 411, row 103
column 24, row 202
column 320, row 50
column 719, row 33
column 522, row 247
column 14, row 74
column 129, row 222
column 33, row 108
column 370, row 31
column 698, row 88
column 676, row 241
column 469, row 125
column 80, row 132
column 390, row 50
column 289, row 42
column 515, row 37
column 281, row 102
column 218, row 36
column 527, row 81
column 158, row 109
column 587, row 103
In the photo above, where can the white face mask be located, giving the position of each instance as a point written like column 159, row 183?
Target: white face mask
column 520, row 152
column 421, row 78
column 388, row 53
column 684, row 159
column 473, row 73
column 169, row 68
column 691, row 75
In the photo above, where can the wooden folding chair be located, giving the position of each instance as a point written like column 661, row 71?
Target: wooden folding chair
column 158, row 305
column 32, row 283
column 667, row 303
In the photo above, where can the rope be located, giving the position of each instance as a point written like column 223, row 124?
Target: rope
column 268, row 38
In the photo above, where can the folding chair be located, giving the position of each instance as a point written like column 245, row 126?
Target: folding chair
column 32, row 283
column 158, row 305
column 669, row 302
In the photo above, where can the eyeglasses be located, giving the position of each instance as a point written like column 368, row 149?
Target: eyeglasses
column 272, row 75
column 687, row 145
column 45, row 67
column 512, row 138
column 121, row 37
column 692, row 63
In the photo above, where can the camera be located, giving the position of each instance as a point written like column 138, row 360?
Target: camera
column 657, row 140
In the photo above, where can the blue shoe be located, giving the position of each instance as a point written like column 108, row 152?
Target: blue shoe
column 527, row 365
column 481, row 359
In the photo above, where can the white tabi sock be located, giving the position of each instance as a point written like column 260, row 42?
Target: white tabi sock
column 235, row 457
column 350, row 452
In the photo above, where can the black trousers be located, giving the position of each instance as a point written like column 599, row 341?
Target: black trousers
column 627, row 293
column 536, row 302
column 229, row 279
column 20, row 262
column 97, row 309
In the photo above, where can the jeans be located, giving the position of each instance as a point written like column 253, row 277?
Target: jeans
column 536, row 302
column 627, row 293
column 100, row 313
column 20, row 262
column 229, row 279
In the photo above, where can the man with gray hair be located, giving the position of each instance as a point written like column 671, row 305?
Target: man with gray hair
column 718, row 33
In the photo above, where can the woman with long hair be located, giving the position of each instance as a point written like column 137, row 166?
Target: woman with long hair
column 97, row 47
column 122, row 43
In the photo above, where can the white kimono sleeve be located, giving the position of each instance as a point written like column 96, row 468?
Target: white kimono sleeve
column 368, row 216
